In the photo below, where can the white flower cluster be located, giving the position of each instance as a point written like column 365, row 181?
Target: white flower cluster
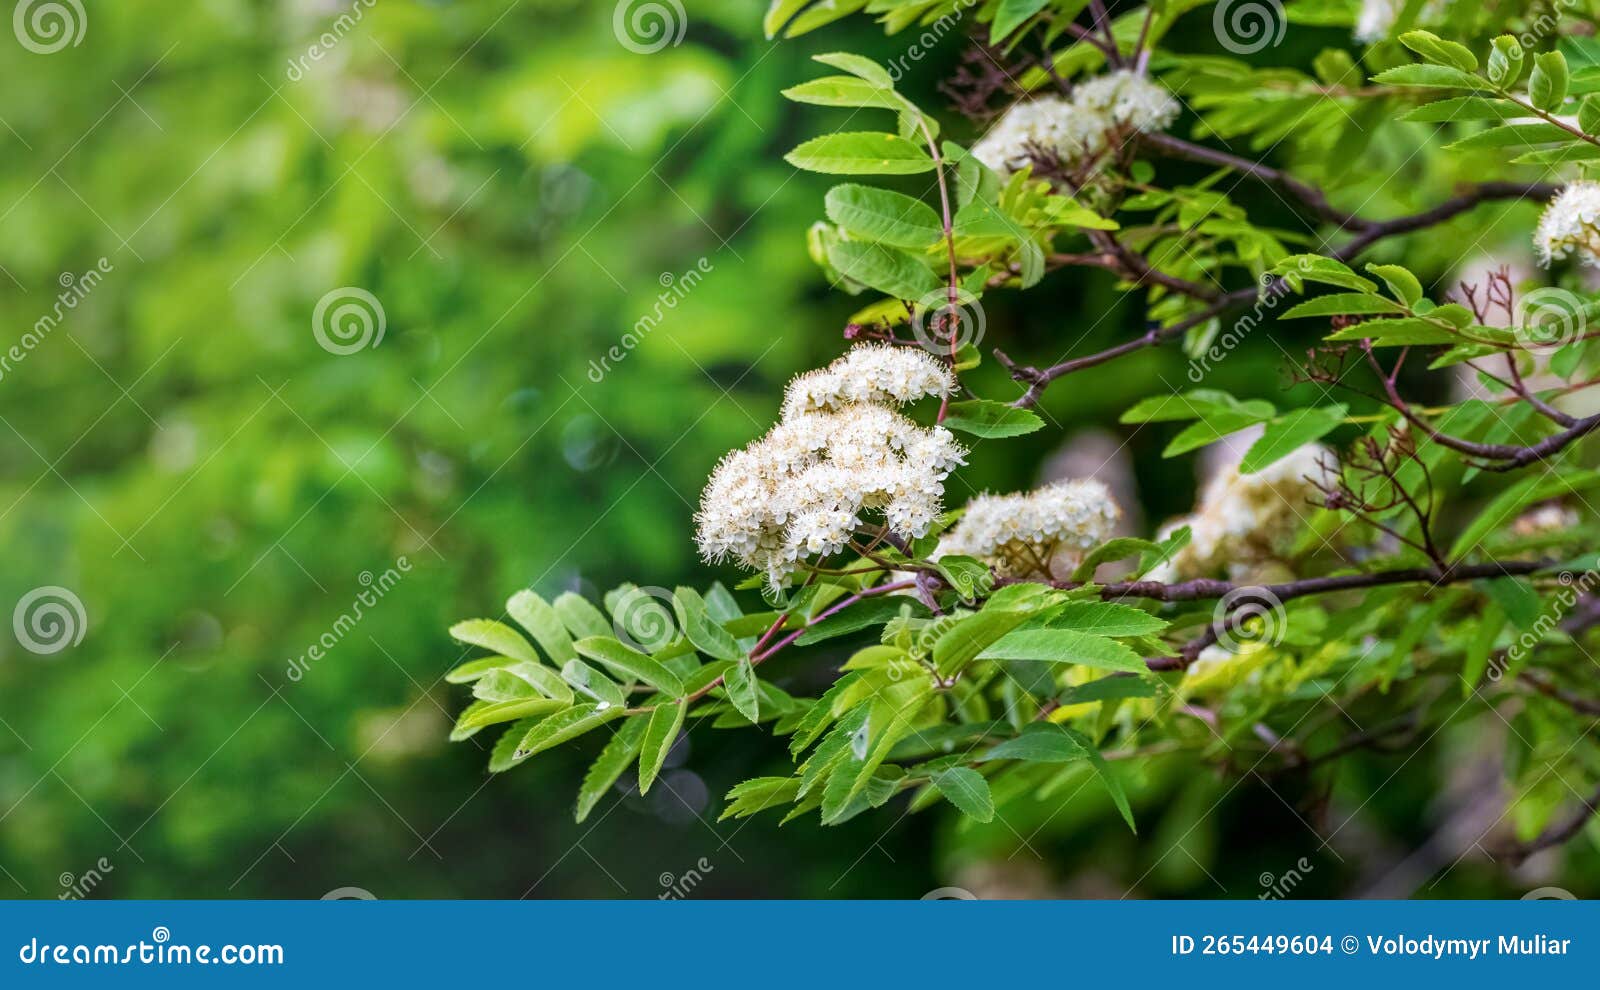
column 1039, row 534
column 1244, row 522
column 1079, row 128
column 841, row 450
column 870, row 373
column 1571, row 225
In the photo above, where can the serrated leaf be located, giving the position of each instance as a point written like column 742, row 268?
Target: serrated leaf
column 1464, row 108
column 889, row 270
column 844, row 91
column 536, row 615
column 1436, row 49
column 580, row 616
column 739, row 684
column 1547, row 86
column 1524, row 135
column 496, row 637
column 1402, row 284
column 1289, row 432
column 1316, row 268
column 700, row 629
column 1396, row 332
column 665, row 722
column 990, row 419
column 608, row 766
column 1107, row 619
column 1010, row 15
column 861, row 153
column 1042, row 742
column 1341, row 304
column 493, row 712
column 967, row 790
column 1117, row 548
column 558, row 727
column 1053, row 645
column 857, row 65
column 759, row 794
column 1430, row 76
column 592, row 683
column 630, row 664
column 883, row 216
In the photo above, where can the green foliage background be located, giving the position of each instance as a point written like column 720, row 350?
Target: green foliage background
column 513, row 185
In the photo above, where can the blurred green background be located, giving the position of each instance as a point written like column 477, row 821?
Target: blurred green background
column 516, row 188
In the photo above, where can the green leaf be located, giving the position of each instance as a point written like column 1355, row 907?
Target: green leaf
column 490, row 713
column 1517, row 598
column 1199, row 403
column 1589, row 114
column 759, row 794
column 980, row 219
column 739, row 684
column 695, row 620
column 1055, row 645
column 1209, row 430
column 1042, row 742
column 857, row 65
column 1317, row 268
column 780, row 13
column 496, row 637
column 561, row 726
column 1116, row 548
column 1430, row 76
column 1106, row 619
column 870, row 612
column 968, row 576
column 990, row 419
column 665, row 722
column 580, row 616
column 1464, row 108
column 883, row 216
column 968, row 636
column 1009, row 16
column 608, row 766
column 1108, row 689
column 1547, row 86
column 844, row 91
column 967, row 790
column 1342, row 303
column 537, row 616
column 1518, row 136
column 1175, row 541
column 1289, row 432
column 1400, row 281
column 629, row 664
column 1505, row 61
column 861, row 153
column 1397, row 332
column 890, row 270
column 1435, row 49
column 592, row 684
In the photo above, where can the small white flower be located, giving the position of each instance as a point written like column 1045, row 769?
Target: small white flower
column 1571, row 225
column 841, row 451
column 1038, row 534
column 1246, row 521
column 1076, row 129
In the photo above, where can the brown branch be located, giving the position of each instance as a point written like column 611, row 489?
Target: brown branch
column 1557, row 833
